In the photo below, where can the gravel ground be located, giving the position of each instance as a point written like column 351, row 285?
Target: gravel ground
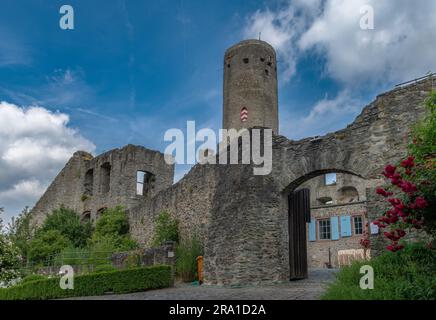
column 307, row 289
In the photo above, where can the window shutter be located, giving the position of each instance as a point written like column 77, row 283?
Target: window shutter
column 312, row 230
column 334, row 222
column 345, row 226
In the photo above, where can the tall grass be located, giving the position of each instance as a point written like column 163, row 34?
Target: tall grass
column 409, row 274
column 186, row 258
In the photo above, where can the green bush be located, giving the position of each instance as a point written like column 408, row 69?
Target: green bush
column 407, row 274
column 186, row 258
column 166, row 229
column 9, row 258
column 112, row 221
column 104, row 268
column 120, row 281
column 21, row 231
column 45, row 245
column 62, row 229
column 32, row 277
column 423, row 148
column 111, row 234
column 67, row 222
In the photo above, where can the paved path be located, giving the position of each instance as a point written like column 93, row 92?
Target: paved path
column 307, row 289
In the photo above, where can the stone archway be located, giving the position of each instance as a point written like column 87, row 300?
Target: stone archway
column 247, row 230
column 293, row 203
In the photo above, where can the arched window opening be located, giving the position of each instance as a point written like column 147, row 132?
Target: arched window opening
column 89, row 182
column 347, row 194
column 324, row 201
column 85, row 217
column 105, row 176
column 100, row 212
column 145, row 183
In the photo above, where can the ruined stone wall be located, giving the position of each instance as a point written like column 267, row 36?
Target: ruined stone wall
column 248, row 238
column 376, row 206
column 164, row 254
column 319, row 190
column 242, row 218
column 190, row 201
column 71, row 189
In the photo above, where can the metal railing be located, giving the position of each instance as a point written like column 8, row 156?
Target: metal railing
column 429, row 76
column 84, row 260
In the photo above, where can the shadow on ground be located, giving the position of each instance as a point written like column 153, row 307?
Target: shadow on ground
column 307, row 289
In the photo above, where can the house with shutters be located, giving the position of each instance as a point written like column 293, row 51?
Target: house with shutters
column 339, row 218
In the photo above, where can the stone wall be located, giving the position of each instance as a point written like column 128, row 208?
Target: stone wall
column 164, row 254
column 189, row 200
column 248, row 238
column 72, row 189
column 242, row 218
column 376, row 207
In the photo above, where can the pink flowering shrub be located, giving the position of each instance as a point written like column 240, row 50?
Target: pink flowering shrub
column 407, row 210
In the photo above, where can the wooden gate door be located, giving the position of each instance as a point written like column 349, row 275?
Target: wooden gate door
column 299, row 214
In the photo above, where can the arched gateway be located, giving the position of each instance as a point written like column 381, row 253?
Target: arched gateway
column 248, row 231
column 243, row 219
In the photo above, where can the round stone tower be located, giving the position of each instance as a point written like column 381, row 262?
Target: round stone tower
column 250, row 86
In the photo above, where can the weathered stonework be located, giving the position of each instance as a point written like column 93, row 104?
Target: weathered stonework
column 72, row 189
column 145, row 257
column 248, row 239
column 242, row 218
column 250, row 82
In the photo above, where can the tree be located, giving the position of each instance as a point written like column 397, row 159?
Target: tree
column 21, row 231
column 9, row 258
column 67, row 222
column 166, row 229
column 112, row 222
column 45, row 245
column 423, row 148
column 112, row 232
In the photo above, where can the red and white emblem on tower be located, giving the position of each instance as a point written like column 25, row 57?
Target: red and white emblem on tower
column 244, row 114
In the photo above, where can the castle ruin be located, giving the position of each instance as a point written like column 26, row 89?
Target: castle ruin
column 246, row 220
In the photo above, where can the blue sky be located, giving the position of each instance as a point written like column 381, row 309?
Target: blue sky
column 130, row 70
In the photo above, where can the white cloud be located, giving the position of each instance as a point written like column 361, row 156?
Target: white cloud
column 35, row 144
column 281, row 30
column 327, row 115
column 400, row 47
column 28, row 190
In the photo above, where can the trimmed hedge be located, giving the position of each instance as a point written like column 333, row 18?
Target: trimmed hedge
column 119, row 281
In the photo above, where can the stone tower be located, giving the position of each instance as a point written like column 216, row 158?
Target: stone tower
column 250, row 86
